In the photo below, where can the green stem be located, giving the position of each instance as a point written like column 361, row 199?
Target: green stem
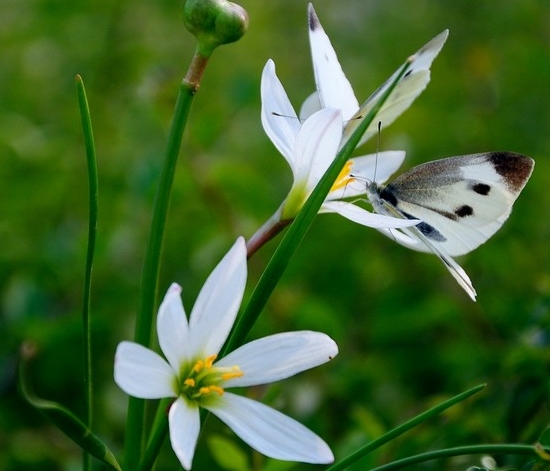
column 151, row 267
column 92, row 231
column 503, row 449
column 269, row 229
column 394, row 433
column 160, row 430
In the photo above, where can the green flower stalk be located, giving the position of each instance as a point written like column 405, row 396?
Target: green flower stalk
column 213, row 23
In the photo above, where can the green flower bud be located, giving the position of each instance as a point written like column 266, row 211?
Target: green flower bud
column 214, row 22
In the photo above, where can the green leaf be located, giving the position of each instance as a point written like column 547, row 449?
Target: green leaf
column 93, row 191
column 63, row 418
column 228, row 455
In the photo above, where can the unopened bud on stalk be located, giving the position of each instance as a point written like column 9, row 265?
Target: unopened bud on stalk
column 214, row 22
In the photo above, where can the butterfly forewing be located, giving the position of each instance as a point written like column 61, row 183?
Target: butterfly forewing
column 461, row 201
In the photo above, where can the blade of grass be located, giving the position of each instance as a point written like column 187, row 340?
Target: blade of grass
column 502, row 449
column 394, row 433
column 92, row 231
column 63, row 418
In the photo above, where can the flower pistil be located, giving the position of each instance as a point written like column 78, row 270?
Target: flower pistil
column 203, row 379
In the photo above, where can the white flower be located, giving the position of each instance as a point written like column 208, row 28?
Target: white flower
column 311, row 147
column 192, row 376
column 311, row 142
column 312, row 151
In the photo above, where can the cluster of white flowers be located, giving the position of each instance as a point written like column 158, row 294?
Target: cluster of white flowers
column 190, row 371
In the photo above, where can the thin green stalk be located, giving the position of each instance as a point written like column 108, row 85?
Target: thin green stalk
column 160, row 430
column 297, row 230
column 151, row 268
column 92, row 231
column 503, row 449
column 401, row 429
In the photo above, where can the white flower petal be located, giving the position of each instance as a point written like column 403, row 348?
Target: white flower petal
column 409, row 87
column 184, row 424
column 279, row 356
column 378, row 167
column 271, row 432
column 278, row 116
column 310, row 105
column 316, row 146
column 142, row 373
column 172, row 328
column 366, row 218
column 333, row 87
column 218, row 302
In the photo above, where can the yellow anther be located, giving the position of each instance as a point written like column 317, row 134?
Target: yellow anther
column 235, row 373
column 217, row 389
column 210, row 389
column 205, row 378
column 344, row 177
column 209, row 361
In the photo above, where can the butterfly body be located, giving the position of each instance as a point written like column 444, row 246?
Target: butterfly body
column 460, row 202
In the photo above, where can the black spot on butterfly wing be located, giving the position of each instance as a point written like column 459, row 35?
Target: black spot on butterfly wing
column 429, row 231
column 481, row 188
column 464, row 211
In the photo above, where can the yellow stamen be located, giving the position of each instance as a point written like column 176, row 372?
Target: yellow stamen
column 205, row 378
column 237, row 373
column 344, row 177
column 211, row 388
column 209, row 361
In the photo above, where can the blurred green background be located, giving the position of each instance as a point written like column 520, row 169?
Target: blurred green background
column 408, row 335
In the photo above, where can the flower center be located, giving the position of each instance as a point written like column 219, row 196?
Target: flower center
column 344, row 177
column 203, row 379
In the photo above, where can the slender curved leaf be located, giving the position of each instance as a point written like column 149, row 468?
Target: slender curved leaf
column 63, row 418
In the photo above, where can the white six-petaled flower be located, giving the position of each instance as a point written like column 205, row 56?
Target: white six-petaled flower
column 311, row 142
column 193, row 376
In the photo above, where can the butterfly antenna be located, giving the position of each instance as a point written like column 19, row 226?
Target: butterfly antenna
column 377, row 151
column 280, row 115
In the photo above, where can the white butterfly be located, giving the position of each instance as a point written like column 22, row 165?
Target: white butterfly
column 460, row 202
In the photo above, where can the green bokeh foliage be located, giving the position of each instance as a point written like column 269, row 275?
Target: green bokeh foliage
column 408, row 335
